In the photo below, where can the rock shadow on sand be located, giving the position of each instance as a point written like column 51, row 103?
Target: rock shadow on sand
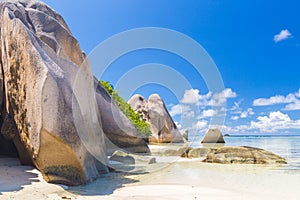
column 14, row 176
column 104, row 185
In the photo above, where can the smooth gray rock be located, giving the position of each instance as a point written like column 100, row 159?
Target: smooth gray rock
column 242, row 155
column 154, row 111
column 130, row 162
column 198, row 152
column 213, row 136
column 40, row 59
column 119, row 131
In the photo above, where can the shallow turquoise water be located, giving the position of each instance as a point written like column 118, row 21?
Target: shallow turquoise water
column 287, row 146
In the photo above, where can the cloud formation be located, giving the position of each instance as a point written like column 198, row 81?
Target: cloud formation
column 274, row 122
column 242, row 114
column 193, row 96
column 292, row 106
column 183, row 110
column 292, row 100
column 283, row 35
column 209, row 113
column 235, row 118
column 200, row 125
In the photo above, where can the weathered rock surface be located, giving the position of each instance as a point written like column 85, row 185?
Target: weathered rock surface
column 154, row 111
column 120, row 132
column 198, row 152
column 139, row 103
column 181, row 152
column 213, row 136
column 224, row 154
column 243, row 155
column 235, row 155
column 40, row 59
column 129, row 162
column 127, row 158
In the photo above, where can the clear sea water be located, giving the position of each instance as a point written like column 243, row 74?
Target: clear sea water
column 287, row 146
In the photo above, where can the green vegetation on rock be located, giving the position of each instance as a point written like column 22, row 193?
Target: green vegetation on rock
column 141, row 126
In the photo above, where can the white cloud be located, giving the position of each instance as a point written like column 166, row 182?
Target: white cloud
column 178, row 109
column 193, row 96
column 200, row 125
column 208, row 113
column 292, row 106
column 183, row 110
column 219, row 99
column 278, row 99
column 235, row 118
column 246, row 113
column 238, row 113
column 274, row 122
column 292, row 100
column 283, row 35
column 227, row 93
column 242, row 114
column 236, row 106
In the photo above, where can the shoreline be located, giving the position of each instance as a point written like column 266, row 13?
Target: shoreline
column 182, row 179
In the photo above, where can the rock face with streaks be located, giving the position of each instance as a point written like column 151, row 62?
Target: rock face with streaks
column 213, row 136
column 154, row 111
column 225, row 155
column 242, row 155
column 119, row 131
column 49, row 121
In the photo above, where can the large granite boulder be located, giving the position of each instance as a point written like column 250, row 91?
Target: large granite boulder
column 120, row 132
column 154, row 111
column 138, row 103
column 213, row 136
column 53, row 125
column 198, row 152
column 240, row 155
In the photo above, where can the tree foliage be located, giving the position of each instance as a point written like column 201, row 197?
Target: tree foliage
column 141, row 126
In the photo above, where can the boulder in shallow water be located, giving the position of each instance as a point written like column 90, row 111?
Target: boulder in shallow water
column 242, row 155
column 213, row 136
column 198, row 152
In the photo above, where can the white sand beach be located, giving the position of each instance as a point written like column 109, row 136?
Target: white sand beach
column 183, row 179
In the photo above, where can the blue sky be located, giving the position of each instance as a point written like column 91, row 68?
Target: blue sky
column 254, row 44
